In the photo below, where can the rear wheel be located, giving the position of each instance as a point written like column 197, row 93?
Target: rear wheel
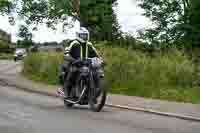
column 98, row 100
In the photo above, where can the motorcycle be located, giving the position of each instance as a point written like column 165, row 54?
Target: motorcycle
column 89, row 85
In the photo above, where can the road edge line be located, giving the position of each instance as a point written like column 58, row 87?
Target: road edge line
column 173, row 115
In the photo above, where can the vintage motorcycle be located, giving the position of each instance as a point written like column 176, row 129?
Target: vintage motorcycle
column 88, row 88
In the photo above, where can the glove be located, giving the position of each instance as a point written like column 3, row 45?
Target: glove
column 96, row 62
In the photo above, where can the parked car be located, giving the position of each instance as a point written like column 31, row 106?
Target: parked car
column 20, row 53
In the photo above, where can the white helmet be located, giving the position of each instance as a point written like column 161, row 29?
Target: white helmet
column 83, row 35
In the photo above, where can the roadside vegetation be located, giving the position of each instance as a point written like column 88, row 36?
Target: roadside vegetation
column 6, row 52
column 6, row 56
column 168, row 75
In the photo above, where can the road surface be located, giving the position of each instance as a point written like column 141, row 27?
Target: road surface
column 22, row 112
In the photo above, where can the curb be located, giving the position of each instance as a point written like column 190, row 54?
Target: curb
column 4, row 82
column 173, row 115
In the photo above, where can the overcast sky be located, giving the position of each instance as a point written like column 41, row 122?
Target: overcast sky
column 129, row 16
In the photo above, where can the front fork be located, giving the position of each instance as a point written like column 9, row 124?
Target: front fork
column 94, row 83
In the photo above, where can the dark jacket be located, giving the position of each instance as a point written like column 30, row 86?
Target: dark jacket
column 76, row 50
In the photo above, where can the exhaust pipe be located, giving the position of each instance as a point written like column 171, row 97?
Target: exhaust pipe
column 61, row 94
column 82, row 93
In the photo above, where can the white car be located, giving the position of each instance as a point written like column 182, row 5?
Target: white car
column 20, row 53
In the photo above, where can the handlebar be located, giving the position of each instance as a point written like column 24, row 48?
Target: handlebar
column 85, row 62
column 80, row 62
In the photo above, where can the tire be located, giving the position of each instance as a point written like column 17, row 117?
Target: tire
column 67, row 104
column 93, row 103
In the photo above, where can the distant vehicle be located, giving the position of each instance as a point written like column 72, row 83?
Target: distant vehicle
column 20, row 53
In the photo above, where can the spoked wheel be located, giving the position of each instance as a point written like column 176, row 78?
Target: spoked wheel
column 97, row 101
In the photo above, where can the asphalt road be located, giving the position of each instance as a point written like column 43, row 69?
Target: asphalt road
column 9, row 67
column 22, row 112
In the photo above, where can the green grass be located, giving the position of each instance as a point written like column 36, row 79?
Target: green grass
column 43, row 67
column 128, row 72
column 4, row 56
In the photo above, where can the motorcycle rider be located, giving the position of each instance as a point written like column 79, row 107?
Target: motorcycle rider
column 79, row 49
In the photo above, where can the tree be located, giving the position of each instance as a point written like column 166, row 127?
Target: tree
column 165, row 15
column 24, row 33
column 5, row 6
column 116, row 29
column 194, row 27
column 97, row 15
column 40, row 11
column 173, row 21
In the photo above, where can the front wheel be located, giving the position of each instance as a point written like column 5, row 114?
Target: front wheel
column 98, row 101
column 67, row 104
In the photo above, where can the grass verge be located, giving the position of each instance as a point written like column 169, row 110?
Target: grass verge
column 128, row 72
column 4, row 56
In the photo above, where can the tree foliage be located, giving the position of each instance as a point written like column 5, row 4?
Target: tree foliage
column 100, row 17
column 5, row 6
column 24, row 33
column 97, row 15
column 174, row 21
column 37, row 11
column 26, row 36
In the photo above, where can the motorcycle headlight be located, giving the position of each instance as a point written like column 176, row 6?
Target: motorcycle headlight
column 85, row 69
column 96, row 62
column 100, row 73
